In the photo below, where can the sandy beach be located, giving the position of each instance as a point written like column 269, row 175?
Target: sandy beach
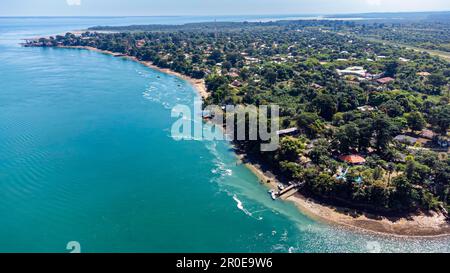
column 420, row 225
column 198, row 84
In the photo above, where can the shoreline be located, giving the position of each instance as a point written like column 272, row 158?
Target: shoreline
column 198, row 84
column 421, row 225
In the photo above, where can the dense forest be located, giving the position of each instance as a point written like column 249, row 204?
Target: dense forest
column 385, row 105
column 423, row 30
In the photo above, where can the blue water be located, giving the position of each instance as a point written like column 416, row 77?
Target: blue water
column 86, row 155
column 22, row 27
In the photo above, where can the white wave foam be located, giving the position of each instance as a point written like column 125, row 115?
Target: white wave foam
column 240, row 206
column 220, row 168
column 293, row 249
column 284, row 236
column 221, row 171
column 166, row 95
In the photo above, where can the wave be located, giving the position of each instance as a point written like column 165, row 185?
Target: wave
column 223, row 171
column 167, row 91
column 240, row 206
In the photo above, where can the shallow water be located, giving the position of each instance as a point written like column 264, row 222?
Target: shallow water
column 86, row 155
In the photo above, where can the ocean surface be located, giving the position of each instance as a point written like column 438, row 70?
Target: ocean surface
column 86, row 155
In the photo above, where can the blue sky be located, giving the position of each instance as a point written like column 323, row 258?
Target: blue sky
column 210, row 7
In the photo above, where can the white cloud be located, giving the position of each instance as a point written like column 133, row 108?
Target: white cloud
column 73, row 2
column 374, row 2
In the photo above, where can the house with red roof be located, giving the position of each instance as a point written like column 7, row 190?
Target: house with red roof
column 385, row 80
column 353, row 159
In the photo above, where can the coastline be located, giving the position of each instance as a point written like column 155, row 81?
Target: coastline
column 421, row 225
column 199, row 85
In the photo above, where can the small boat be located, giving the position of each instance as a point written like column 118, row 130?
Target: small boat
column 281, row 187
column 274, row 195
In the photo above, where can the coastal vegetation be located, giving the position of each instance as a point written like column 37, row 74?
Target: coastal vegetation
column 371, row 119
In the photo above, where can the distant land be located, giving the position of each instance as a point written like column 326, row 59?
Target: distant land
column 414, row 16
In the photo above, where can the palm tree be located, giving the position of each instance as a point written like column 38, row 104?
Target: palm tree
column 390, row 169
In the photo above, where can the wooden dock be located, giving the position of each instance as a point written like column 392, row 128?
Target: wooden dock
column 289, row 191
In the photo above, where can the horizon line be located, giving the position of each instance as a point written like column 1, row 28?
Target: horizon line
column 231, row 15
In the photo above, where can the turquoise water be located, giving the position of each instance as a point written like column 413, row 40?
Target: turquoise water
column 86, row 155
